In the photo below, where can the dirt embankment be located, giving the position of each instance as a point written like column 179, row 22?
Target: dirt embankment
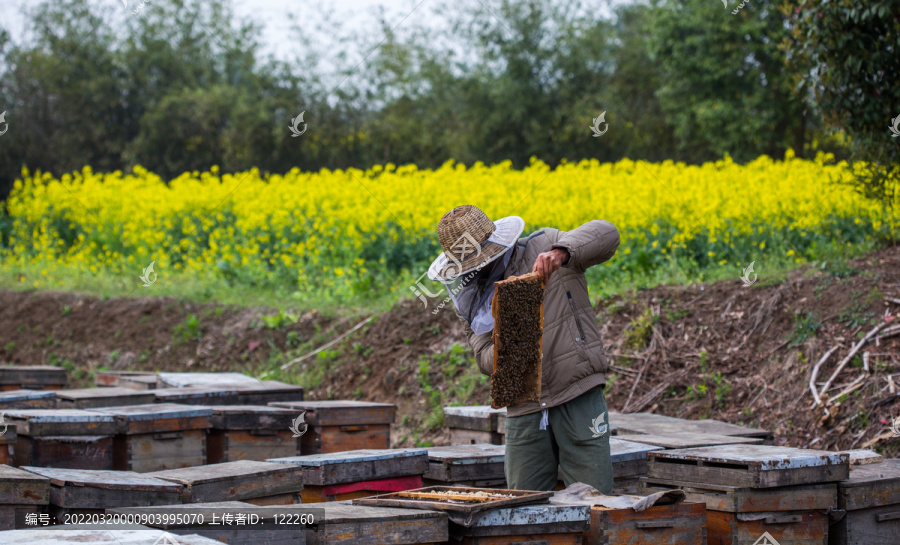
column 723, row 351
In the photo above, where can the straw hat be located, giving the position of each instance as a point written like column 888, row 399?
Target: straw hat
column 470, row 241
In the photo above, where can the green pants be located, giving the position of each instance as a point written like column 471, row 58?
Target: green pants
column 576, row 440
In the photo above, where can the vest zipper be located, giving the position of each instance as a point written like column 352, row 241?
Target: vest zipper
column 577, row 321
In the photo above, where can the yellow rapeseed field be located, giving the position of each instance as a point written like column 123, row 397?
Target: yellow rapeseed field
column 355, row 231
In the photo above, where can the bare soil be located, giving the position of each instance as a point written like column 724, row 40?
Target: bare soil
column 719, row 350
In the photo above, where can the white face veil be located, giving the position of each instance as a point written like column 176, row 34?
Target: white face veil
column 472, row 292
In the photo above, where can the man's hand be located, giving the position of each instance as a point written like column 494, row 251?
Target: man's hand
column 547, row 263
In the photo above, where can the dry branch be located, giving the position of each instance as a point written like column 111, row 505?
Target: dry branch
column 852, row 353
column 815, row 372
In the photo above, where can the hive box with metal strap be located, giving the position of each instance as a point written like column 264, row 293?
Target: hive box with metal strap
column 71, row 438
column 546, row 524
column 341, row 523
column 158, row 436
column 260, row 393
column 340, row 425
column 32, row 377
column 474, row 424
column 92, row 398
column 21, row 493
column 261, row 483
column 358, row 473
column 209, row 520
column 870, row 497
column 27, row 399
column 251, row 432
column 80, row 491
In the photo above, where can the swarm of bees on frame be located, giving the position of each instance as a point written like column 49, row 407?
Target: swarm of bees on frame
column 518, row 309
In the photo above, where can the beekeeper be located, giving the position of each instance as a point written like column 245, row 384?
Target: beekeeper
column 569, row 428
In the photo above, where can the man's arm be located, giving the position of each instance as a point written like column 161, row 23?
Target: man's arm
column 591, row 244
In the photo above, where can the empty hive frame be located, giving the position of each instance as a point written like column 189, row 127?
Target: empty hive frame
column 518, row 310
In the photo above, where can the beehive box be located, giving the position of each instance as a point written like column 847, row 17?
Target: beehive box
column 32, row 377
column 158, row 436
column 7, row 444
column 21, row 493
column 79, row 536
column 27, row 399
column 92, row 398
column 261, row 393
column 339, row 425
column 545, row 524
column 614, row 521
column 341, row 523
column 209, row 520
column 359, row 473
column 518, row 311
column 649, row 423
column 250, row 432
column 794, row 515
column 79, row 491
column 753, row 466
column 479, row 465
column 138, row 380
column 246, row 480
column 871, row 499
column 70, row 438
column 474, row 424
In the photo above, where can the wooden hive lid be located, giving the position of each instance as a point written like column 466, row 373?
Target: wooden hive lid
column 871, row 485
column 149, row 417
column 107, row 479
column 468, row 454
column 626, row 451
column 689, row 439
column 112, row 391
column 763, row 457
column 342, row 412
column 351, row 456
column 183, row 380
column 79, row 536
column 338, row 512
column 226, row 471
column 473, row 417
column 46, row 422
column 247, row 417
column 650, row 423
column 512, row 518
column 9, row 397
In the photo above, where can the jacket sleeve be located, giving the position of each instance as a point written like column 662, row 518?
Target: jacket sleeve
column 591, row 244
column 482, row 345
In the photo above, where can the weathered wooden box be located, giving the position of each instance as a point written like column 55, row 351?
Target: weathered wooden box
column 7, row 445
column 158, row 436
column 186, row 380
column 478, row 465
column 137, row 380
column 545, row 524
column 337, row 426
column 753, row 466
column 794, row 515
column 92, row 398
column 21, row 493
column 79, row 491
column 262, row 393
column 226, row 522
column 27, row 399
column 341, row 523
column 263, row 483
column 360, row 473
column 250, row 432
column 32, row 377
column 649, row 423
column 474, row 424
column 70, row 438
column 80, row 536
column 871, row 499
